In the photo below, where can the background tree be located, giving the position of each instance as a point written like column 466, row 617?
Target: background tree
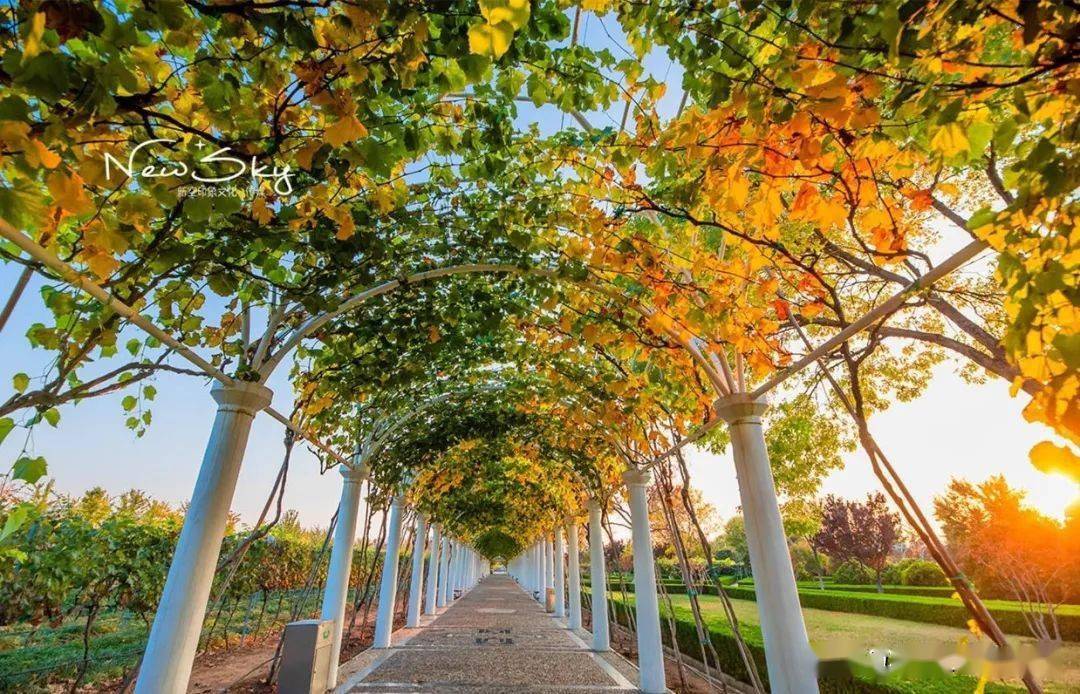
column 1009, row 547
column 663, row 541
column 864, row 531
column 733, row 541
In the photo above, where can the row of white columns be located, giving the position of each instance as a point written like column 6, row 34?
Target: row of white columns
column 542, row 567
column 174, row 636
column 452, row 569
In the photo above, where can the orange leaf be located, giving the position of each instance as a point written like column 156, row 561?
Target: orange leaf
column 68, row 192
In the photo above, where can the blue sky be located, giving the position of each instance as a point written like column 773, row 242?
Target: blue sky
column 955, row 429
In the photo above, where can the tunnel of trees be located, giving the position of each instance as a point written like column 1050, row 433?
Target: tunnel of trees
column 496, row 321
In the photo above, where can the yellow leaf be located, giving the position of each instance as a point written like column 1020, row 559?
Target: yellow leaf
column 832, row 212
column 104, row 236
column 345, row 130
column 35, row 31
column 950, row 140
column 1051, row 459
column 513, row 12
column 306, row 154
column 68, row 192
column 14, row 133
column 260, row 211
column 384, row 199
column 346, row 227
column 100, row 262
column 433, row 334
column 490, row 39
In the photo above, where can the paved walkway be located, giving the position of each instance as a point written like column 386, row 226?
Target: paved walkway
column 493, row 639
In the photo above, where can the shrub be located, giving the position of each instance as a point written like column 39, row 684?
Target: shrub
column 893, row 573
column 854, row 572
column 668, row 569
column 923, row 573
column 806, row 564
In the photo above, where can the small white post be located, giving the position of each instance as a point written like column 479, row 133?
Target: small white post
column 791, row 663
column 384, row 618
column 560, row 576
column 416, row 580
column 598, row 575
column 650, row 646
column 574, row 619
column 170, row 650
column 433, row 570
column 336, row 593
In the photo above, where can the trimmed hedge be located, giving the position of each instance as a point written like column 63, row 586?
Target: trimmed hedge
column 925, row 604
column 843, row 678
column 913, row 608
column 925, row 591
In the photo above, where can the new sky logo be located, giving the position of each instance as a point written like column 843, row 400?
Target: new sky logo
column 224, row 167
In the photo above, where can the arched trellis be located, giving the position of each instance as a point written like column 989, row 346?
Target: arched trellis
column 174, row 635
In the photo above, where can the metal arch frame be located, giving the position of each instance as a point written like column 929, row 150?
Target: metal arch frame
column 75, row 278
column 293, row 338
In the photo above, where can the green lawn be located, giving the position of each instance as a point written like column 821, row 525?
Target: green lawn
column 830, row 631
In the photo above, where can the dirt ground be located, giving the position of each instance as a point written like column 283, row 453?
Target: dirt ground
column 243, row 669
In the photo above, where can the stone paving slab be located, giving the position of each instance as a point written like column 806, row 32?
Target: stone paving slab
column 491, row 666
column 494, row 638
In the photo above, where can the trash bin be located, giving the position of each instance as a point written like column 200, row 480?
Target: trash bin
column 549, row 605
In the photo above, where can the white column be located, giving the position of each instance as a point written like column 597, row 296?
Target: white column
column 433, row 569
column 549, row 570
column 451, row 571
column 791, row 663
column 336, row 593
column 455, row 570
column 574, row 619
column 598, row 576
column 534, row 585
column 461, row 567
column 384, row 618
column 416, row 580
column 560, row 574
column 540, row 570
column 170, row 651
column 444, row 572
column 650, row 647
column 530, row 570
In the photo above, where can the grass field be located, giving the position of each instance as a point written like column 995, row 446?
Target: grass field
column 832, row 631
